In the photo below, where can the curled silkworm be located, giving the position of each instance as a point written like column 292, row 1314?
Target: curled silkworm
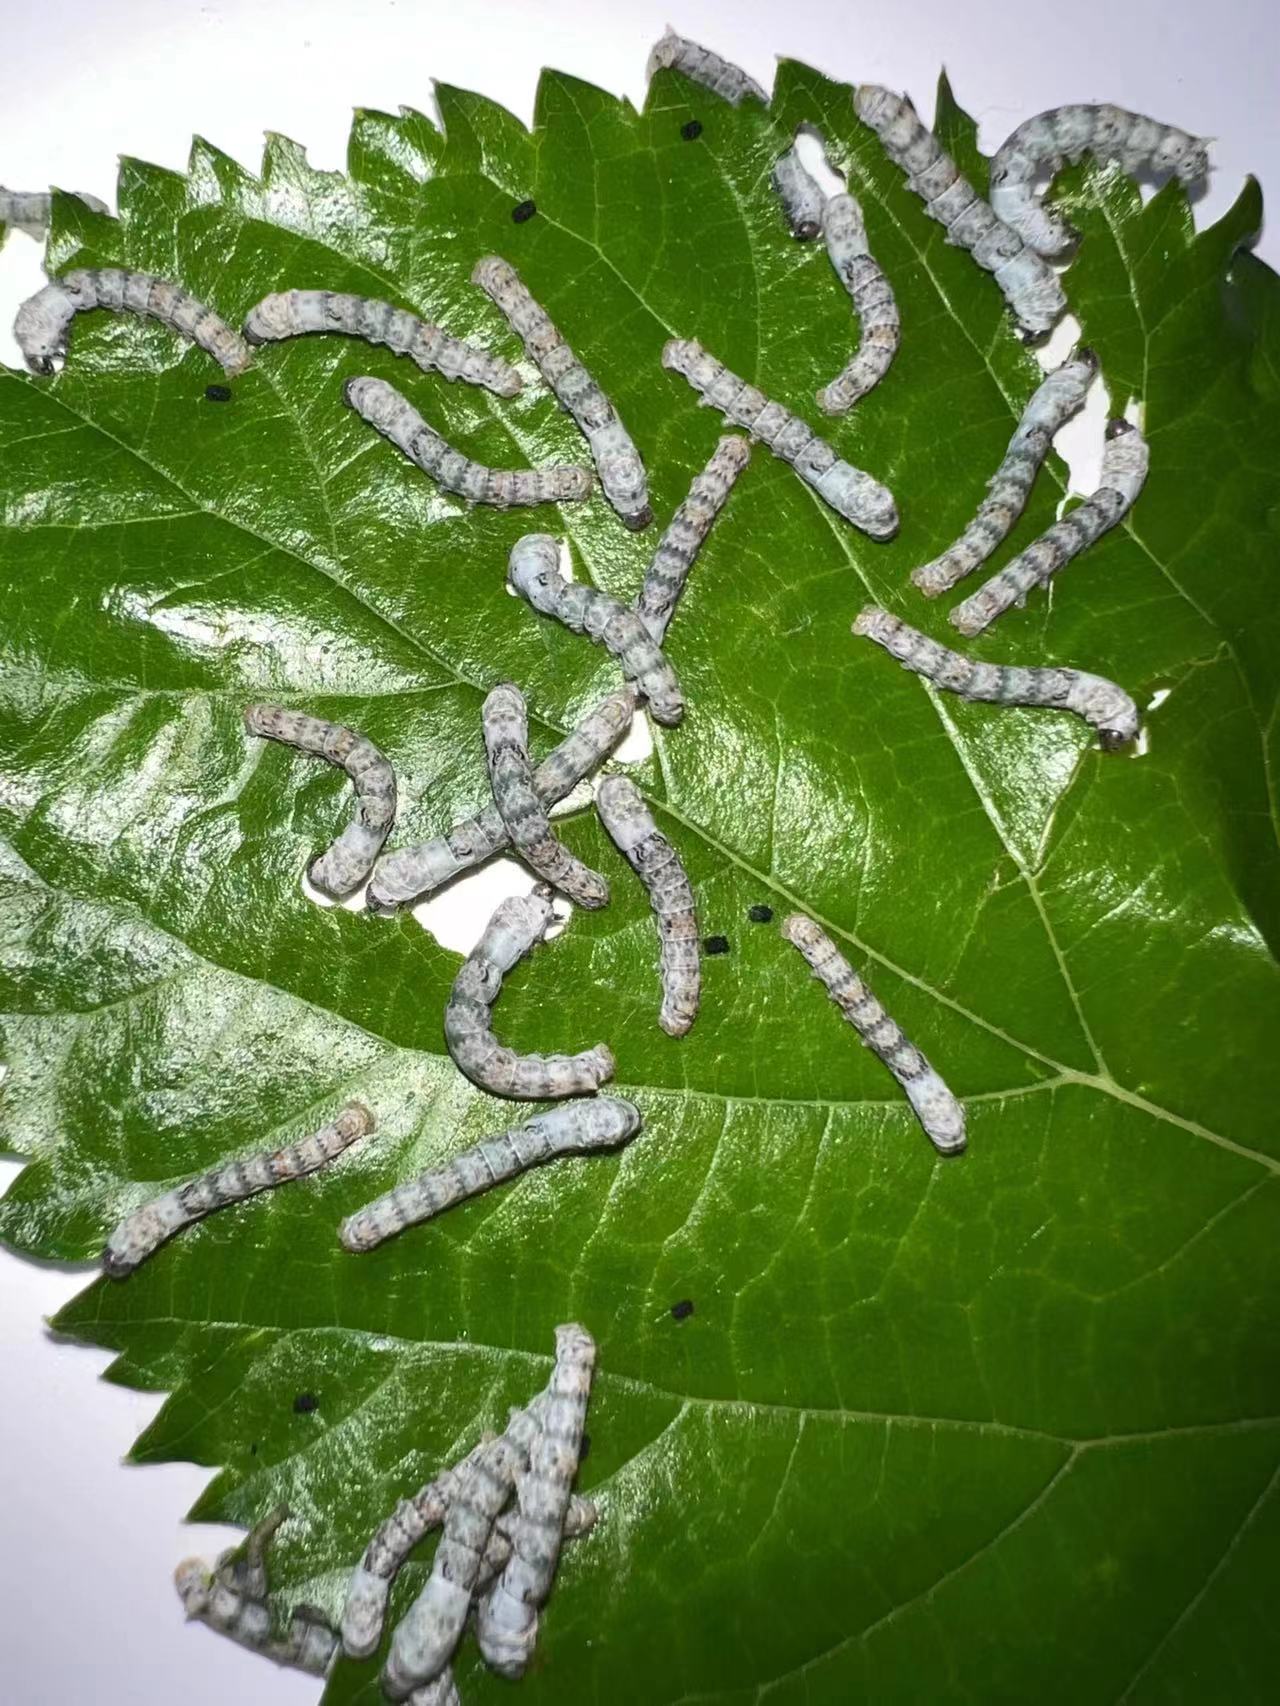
column 292, row 313
column 873, row 302
column 1100, row 702
column 141, row 1233
column 30, row 210
column 507, row 1618
column 1124, row 469
column 533, row 570
column 1044, row 143
column 44, row 320
column 516, row 927
column 576, row 1128
column 1030, row 286
column 700, row 65
column 685, row 534
column 391, row 413
column 411, row 872
column 801, row 197
column 506, row 744
column 622, row 476
column 346, row 864
column 1053, row 403
column 657, row 864
column 938, row 1111
column 850, row 492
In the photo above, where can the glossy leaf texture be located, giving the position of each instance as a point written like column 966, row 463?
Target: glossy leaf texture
column 998, row 1429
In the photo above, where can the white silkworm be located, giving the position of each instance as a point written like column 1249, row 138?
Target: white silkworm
column 665, row 577
column 1044, row 143
column 700, row 65
column 44, row 320
column 345, row 865
column 516, row 927
column 1030, row 286
column 411, row 872
column 30, row 210
column 657, row 864
column 506, row 744
column 622, row 476
column 391, row 413
column 142, row 1233
column 575, row 1128
column 1100, row 702
column 533, row 570
column 850, row 492
column 873, row 302
column 1124, row 469
column 1053, row 403
column 293, row 313
column 507, row 1617
column 801, row 197
column 938, row 1111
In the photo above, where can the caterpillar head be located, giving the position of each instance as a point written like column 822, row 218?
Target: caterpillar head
column 193, row 1581
column 533, row 570
column 269, row 319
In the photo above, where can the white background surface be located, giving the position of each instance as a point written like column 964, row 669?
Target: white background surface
column 87, row 1547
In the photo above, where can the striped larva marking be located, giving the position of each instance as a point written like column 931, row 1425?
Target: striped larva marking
column 1100, row 702
column 391, row 413
column 506, row 743
column 938, row 1111
column 44, row 320
column 507, row 1617
column 657, row 864
column 801, row 196
column 293, row 313
column 31, row 210
column 665, row 577
column 618, row 463
column 1030, row 286
column 850, row 492
column 409, row 873
column 346, row 864
column 874, row 303
column 1052, row 404
column 1050, row 139
column 517, row 926
column 533, row 570
column 700, row 65
column 576, row 1128
column 141, row 1233
column 1124, row 469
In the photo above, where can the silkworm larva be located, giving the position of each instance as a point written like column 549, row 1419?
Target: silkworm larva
column 411, row 872
column 506, row 744
column 1044, row 143
column 30, row 210
column 533, row 569
column 1030, row 286
column 1053, row 403
column 873, row 302
column 292, row 313
column 850, row 492
column 622, row 476
column 665, row 577
column 514, row 930
column 507, row 1617
column 700, row 65
column 141, row 1233
column 657, row 864
column 44, row 320
column 1124, row 468
column 938, row 1111
column 575, row 1128
column 394, row 416
column 346, row 864
column 243, row 1568
column 1099, row 701
column 802, row 199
